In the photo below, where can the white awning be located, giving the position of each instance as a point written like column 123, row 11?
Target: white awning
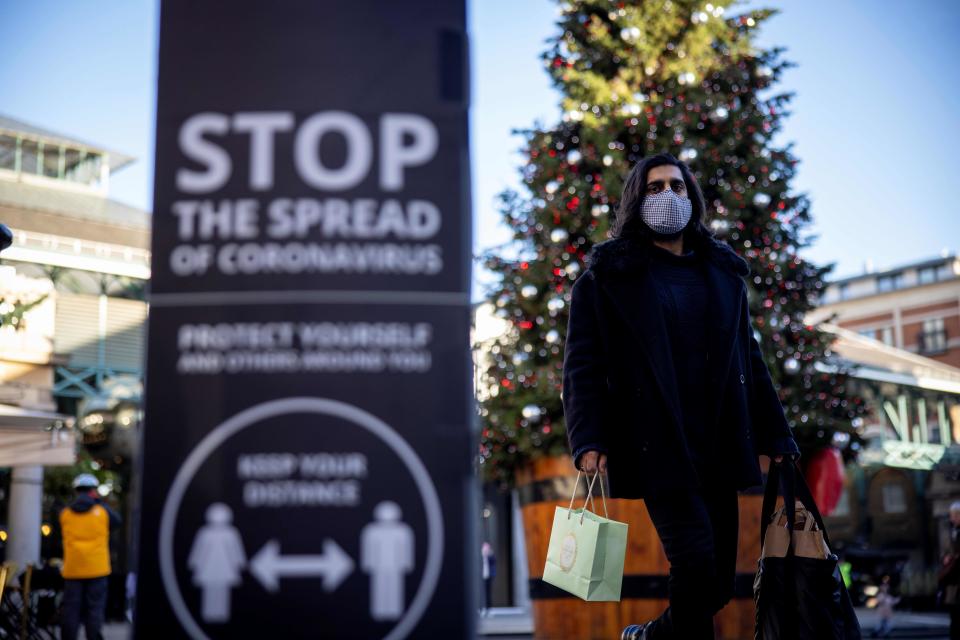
column 884, row 363
column 29, row 437
column 18, row 417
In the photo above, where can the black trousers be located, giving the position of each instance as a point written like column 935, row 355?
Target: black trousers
column 84, row 602
column 699, row 533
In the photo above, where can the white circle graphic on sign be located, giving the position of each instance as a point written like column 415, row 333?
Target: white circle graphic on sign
column 568, row 552
column 325, row 406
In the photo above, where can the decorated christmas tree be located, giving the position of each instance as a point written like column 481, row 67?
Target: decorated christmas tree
column 638, row 78
column 14, row 310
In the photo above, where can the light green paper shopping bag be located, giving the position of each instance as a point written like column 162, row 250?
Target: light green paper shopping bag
column 586, row 552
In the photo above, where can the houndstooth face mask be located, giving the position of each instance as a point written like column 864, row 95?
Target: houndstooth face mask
column 666, row 212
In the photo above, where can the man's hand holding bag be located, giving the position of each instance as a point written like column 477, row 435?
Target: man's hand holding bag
column 586, row 551
column 798, row 589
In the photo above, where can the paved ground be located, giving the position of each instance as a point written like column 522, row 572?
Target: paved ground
column 907, row 624
column 115, row 632
column 515, row 624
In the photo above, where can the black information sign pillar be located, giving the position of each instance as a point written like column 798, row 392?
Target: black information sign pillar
column 307, row 444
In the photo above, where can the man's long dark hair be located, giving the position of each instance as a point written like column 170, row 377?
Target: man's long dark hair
column 629, row 224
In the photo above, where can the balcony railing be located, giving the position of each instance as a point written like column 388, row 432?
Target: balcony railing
column 73, row 253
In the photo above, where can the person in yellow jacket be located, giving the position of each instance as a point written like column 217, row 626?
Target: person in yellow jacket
column 85, row 526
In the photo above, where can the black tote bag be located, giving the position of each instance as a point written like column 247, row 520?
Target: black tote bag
column 799, row 598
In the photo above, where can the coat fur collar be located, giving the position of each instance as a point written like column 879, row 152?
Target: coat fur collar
column 624, row 255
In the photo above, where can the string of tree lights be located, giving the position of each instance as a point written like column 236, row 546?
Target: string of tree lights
column 638, row 78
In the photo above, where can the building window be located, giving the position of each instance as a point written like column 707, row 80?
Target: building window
column 8, row 152
column 927, row 275
column 886, row 336
column 82, row 167
column 51, row 160
column 894, row 498
column 71, row 160
column 868, row 333
column 843, row 290
column 889, row 282
column 29, row 156
column 933, row 338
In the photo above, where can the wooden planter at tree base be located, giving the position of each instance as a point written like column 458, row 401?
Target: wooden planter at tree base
column 548, row 483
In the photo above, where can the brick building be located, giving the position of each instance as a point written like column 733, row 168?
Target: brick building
column 915, row 307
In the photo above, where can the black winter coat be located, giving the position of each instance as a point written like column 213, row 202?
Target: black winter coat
column 620, row 394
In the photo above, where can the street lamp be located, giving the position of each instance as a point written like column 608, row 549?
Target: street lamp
column 109, row 422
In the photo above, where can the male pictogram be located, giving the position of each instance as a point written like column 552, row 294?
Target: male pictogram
column 387, row 555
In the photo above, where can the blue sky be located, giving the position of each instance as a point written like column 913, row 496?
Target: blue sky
column 873, row 122
column 87, row 70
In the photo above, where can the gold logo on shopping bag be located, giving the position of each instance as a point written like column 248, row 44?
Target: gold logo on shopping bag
column 568, row 552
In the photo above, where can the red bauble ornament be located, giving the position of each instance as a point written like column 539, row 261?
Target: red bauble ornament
column 825, row 476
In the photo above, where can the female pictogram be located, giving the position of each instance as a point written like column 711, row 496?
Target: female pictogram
column 216, row 560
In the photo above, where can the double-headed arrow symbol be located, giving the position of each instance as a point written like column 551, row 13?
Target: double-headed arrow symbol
column 334, row 565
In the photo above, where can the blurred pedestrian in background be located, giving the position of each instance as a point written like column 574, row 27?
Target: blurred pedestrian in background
column 489, row 572
column 948, row 579
column 885, row 603
column 85, row 526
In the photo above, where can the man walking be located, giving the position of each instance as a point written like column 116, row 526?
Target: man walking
column 85, row 526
